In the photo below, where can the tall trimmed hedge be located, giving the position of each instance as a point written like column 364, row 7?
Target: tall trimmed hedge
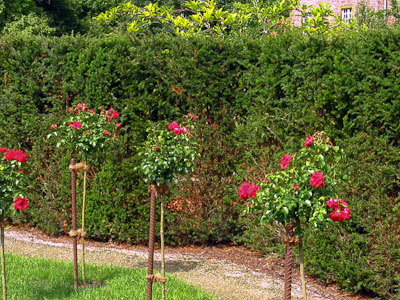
column 253, row 98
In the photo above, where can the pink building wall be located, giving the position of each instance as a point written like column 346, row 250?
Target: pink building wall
column 337, row 5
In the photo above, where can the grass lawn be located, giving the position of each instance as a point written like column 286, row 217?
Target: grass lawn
column 38, row 278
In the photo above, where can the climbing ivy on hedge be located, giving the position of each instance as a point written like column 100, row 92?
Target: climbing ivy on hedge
column 251, row 98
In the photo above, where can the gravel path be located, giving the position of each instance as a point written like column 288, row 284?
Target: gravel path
column 221, row 277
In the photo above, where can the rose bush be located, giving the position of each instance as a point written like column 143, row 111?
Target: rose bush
column 169, row 151
column 302, row 186
column 12, row 164
column 84, row 131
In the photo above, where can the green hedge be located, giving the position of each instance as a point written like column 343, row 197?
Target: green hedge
column 253, row 98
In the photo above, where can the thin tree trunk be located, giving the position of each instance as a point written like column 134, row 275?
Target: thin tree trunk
column 301, row 258
column 74, row 238
column 3, row 264
column 83, row 226
column 151, row 242
column 288, row 263
column 162, row 249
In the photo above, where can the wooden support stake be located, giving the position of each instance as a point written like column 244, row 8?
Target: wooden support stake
column 153, row 193
column 74, row 238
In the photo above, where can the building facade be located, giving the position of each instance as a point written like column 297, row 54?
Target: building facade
column 346, row 9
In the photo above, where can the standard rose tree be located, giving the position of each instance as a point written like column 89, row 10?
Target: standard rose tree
column 168, row 152
column 12, row 163
column 83, row 133
column 300, row 193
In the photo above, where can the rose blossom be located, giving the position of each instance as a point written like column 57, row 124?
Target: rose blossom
column 3, row 150
column 91, row 111
column 185, row 129
column 79, row 106
column 76, row 125
column 172, row 125
column 177, row 130
column 285, row 160
column 343, row 203
column 296, row 187
column 317, row 179
column 247, row 190
column 333, row 203
column 106, row 132
column 337, row 216
column 17, row 155
column 118, row 125
column 309, row 141
column 53, row 126
column 21, row 203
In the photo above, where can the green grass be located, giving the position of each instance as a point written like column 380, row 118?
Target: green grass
column 38, row 278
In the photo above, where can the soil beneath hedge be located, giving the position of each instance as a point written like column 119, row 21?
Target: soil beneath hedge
column 229, row 272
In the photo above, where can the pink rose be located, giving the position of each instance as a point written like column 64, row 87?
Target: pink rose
column 3, row 150
column 309, row 141
column 172, row 125
column 337, row 216
column 21, row 203
column 70, row 109
column 76, row 125
column 84, row 107
column 53, row 126
column 106, row 132
column 285, row 160
column 333, row 203
column 346, row 213
column 296, row 187
column 69, row 124
column 177, row 130
column 118, row 125
column 185, row 129
column 79, row 106
column 317, row 179
column 91, row 111
column 253, row 190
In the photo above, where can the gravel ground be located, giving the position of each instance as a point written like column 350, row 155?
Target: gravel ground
column 227, row 279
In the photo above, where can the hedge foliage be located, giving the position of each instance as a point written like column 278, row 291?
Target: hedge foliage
column 253, row 98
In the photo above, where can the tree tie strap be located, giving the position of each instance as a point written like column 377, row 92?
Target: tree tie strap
column 157, row 278
column 77, row 233
column 292, row 240
column 79, row 166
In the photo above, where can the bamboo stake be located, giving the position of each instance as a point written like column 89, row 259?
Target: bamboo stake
column 151, row 242
column 162, row 249
column 74, row 238
column 3, row 264
column 83, row 227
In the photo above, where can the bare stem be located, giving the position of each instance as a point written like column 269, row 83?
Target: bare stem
column 74, row 238
column 3, row 264
column 301, row 258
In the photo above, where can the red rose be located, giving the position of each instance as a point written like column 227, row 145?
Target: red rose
column 309, row 141
column 247, row 190
column 17, row 155
column 156, row 148
column 79, row 106
column 106, row 132
column 337, row 216
column 333, row 203
column 84, row 107
column 296, row 187
column 172, row 125
column 53, row 126
column 115, row 114
column 118, row 125
column 91, row 111
column 70, row 109
column 177, row 130
column 317, row 179
column 76, row 125
column 3, row 150
column 69, row 124
column 285, row 160
column 346, row 213
column 185, row 129
column 244, row 190
column 21, row 203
